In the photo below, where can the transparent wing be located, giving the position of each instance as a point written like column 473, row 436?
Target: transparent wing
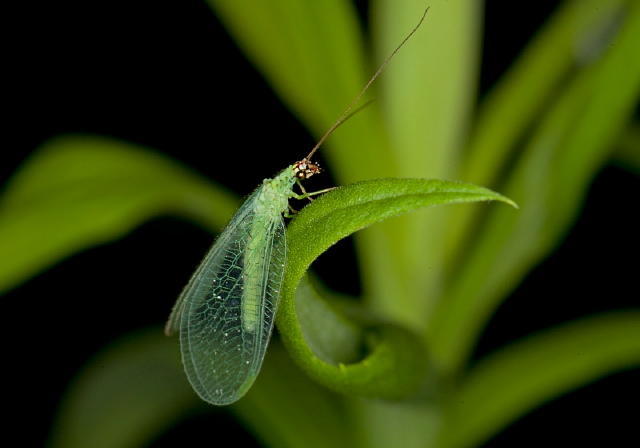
column 225, row 314
column 173, row 324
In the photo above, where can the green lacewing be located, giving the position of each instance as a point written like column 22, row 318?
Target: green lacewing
column 225, row 314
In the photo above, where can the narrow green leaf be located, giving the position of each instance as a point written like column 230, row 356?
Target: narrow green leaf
column 515, row 380
column 577, row 32
column 396, row 364
column 313, row 56
column 77, row 192
column 549, row 180
column 533, row 80
column 427, row 94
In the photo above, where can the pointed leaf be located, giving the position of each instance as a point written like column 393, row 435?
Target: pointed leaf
column 397, row 363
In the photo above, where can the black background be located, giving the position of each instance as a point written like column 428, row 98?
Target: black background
column 165, row 75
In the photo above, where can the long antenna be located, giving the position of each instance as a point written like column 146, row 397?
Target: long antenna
column 384, row 64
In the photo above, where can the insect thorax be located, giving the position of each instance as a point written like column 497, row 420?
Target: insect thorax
column 275, row 193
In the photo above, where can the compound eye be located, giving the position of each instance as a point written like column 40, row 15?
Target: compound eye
column 305, row 169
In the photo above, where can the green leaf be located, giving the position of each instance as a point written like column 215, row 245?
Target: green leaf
column 313, row 56
column 533, row 80
column 427, row 95
column 126, row 395
column 516, row 379
column 549, row 180
column 426, row 105
column 331, row 336
column 285, row 408
column 77, row 192
column 396, row 364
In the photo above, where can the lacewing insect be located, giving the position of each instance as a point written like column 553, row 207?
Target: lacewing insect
column 225, row 314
